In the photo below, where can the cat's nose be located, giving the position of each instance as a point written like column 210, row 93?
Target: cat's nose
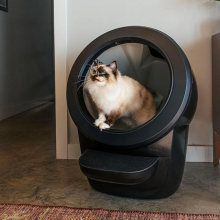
column 98, row 78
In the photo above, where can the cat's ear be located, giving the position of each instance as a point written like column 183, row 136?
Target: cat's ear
column 113, row 66
column 95, row 63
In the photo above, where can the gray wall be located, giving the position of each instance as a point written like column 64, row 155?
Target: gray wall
column 26, row 56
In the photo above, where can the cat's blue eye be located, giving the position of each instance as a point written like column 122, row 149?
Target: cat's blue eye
column 103, row 73
column 94, row 71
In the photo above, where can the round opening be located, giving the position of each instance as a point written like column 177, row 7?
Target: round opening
column 175, row 81
column 143, row 63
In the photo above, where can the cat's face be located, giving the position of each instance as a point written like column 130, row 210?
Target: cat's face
column 103, row 74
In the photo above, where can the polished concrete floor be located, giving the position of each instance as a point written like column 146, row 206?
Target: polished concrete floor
column 30, row 174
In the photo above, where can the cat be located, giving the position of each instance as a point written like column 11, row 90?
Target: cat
column 118, row 96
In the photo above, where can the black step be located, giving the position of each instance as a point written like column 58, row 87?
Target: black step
column 117, row 168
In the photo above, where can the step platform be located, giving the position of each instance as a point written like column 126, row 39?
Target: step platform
column 117, row 168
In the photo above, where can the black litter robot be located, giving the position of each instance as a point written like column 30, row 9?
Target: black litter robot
column 147, row 161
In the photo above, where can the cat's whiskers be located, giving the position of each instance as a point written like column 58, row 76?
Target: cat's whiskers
column 80, row 86
column 84, row 84
column 80, row 76
column 79, row 81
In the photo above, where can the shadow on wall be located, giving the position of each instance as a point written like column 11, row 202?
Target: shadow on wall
column 199, row 54
column 26, row 56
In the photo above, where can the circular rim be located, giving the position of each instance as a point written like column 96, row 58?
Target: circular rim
column 163, row 122
column 91, row 119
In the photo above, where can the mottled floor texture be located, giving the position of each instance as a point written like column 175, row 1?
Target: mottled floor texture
column 30, row 174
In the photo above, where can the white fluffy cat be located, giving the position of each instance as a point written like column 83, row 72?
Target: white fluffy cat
column 118, row 96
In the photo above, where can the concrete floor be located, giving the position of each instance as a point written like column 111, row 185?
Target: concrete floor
column 30, row 174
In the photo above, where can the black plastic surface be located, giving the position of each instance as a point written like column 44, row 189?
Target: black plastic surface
column 165, row 120
column 146, row 162
column 166, row 180
column 117, row 168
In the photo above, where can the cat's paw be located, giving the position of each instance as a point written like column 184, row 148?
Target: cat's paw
column 103, row 126
column 98, row 122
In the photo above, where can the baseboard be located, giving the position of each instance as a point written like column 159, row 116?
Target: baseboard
column 194, row 153
column 13, row 110
column 199, row 154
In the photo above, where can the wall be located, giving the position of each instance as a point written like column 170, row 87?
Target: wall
column 26, row 56
column 190, row 23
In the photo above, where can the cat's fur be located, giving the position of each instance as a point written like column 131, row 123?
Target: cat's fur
column 118, row 96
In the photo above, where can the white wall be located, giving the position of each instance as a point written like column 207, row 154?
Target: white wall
column 60, row 51
column 191, row 23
